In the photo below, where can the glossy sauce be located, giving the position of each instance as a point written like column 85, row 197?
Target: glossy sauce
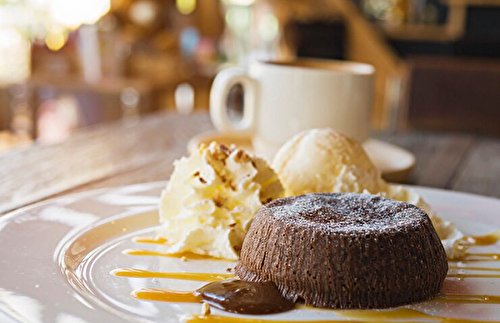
column 474, row 275
column 155, row 240
column 462, row 276
column 242, row 297
column 232, row 295
column 228, row 319
column 187, row 255
column 397, row 314
column 246, row 303
column 485, row 240
column 366, row 316
column 165, row 295
column 132, row 272
column 381, row 315
column 476, row 257
column 468, row 299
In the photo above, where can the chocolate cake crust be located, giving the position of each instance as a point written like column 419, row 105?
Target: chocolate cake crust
column 345, row 251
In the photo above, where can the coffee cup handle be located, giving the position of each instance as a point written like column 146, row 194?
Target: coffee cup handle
column 221, row 86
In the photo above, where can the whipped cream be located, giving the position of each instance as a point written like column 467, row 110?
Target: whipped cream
column 211, row 199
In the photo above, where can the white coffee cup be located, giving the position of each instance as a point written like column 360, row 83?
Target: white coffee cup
column 282, row 99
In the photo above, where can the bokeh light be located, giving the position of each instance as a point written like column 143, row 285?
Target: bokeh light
column 143, row 12
column 55, row 39
column 238, row 18
column 15, row 56
column 184, row 98
column 185, row 6
column 72, row 14
column 268, row 27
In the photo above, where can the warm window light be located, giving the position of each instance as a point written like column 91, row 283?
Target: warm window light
column 14, row 56
column 186, row 6
column 73, row 13
column 55, row 40
column 38, row 3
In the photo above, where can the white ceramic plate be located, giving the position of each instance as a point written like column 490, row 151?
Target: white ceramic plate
column 56, row 258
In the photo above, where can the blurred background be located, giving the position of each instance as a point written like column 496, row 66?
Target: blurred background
column 68, row 64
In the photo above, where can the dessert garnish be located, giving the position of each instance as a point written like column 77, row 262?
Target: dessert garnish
column 323, row 160
column 345, row 250
column 244, row 297
column 211, row 199
column 230, row 295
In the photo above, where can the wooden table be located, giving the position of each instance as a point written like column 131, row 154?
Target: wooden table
column 129, row 152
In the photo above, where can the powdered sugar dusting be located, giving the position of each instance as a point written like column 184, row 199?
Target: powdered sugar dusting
column 346, row 212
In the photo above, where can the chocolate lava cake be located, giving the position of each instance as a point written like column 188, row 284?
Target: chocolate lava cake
column 345, row 251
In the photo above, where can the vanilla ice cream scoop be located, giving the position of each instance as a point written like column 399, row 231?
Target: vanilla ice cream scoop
column 323, row 160
column 211, row 199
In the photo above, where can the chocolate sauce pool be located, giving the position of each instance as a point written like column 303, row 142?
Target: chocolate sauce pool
column 237, row 296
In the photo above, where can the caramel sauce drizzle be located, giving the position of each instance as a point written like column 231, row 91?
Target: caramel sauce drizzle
column 484, row 240
column 477, row 257
column 364, row 315
column 474, row 268
column 468, row 299
column 187, row 255
column 386, row 316
column 474, row 275
column 228, row 319
column 154, row 240
column 374, row 315
column 462, row 276
column 165, row 295
column 212, row 277
column 361, row 316
column 132, row 272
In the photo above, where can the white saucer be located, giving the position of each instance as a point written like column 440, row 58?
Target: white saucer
column 394, row 162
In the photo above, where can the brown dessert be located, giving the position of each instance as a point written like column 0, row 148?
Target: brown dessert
column 345, row 251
